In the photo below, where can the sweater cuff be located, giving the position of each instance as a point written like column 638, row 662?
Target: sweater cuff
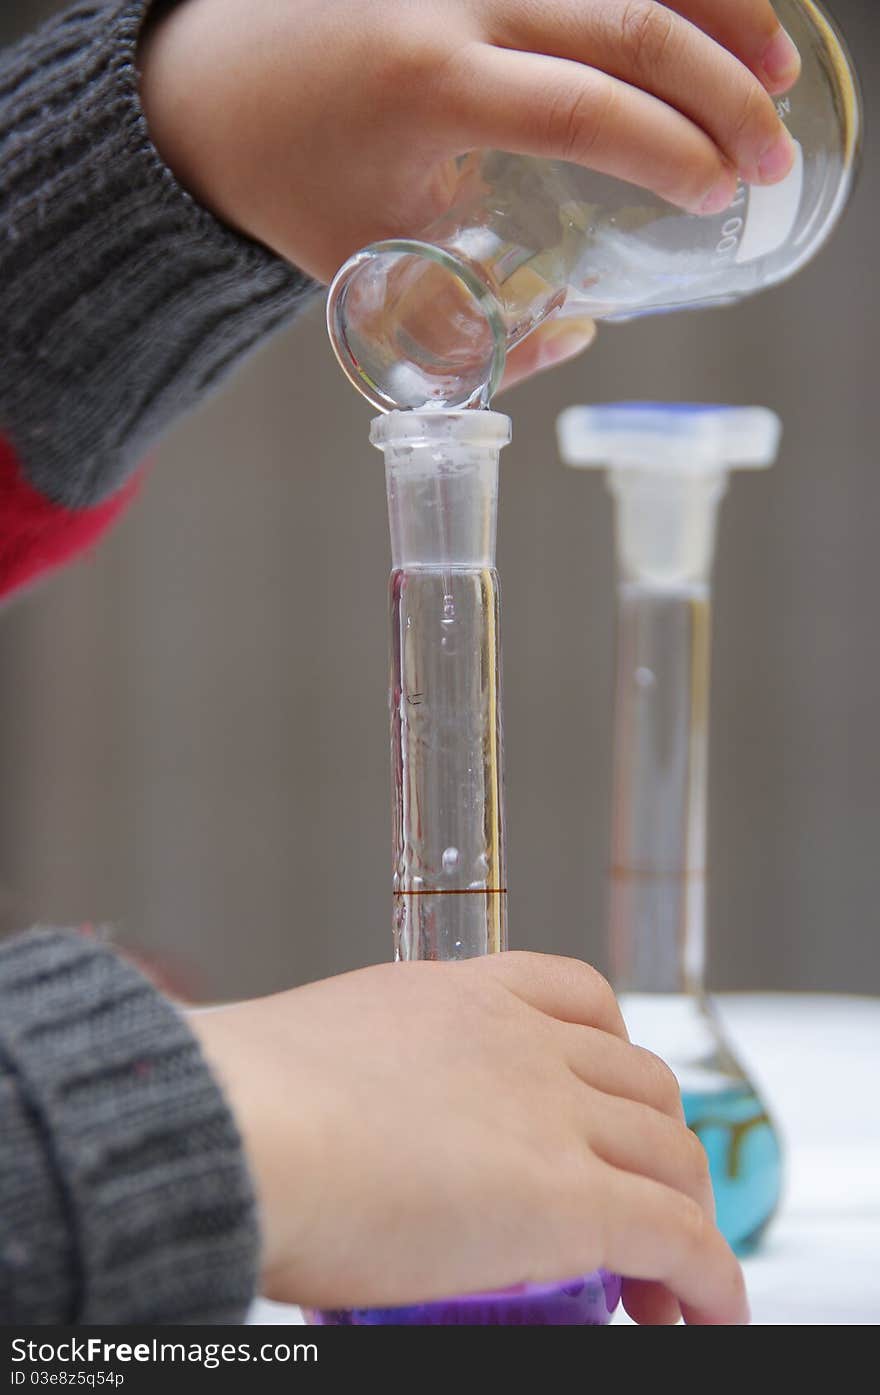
column 123, row 301
column 36, row 536
column 126, row 1197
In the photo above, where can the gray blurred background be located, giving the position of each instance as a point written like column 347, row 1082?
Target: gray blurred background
column 193, row 740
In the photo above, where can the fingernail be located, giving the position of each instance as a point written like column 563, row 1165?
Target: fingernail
column 719, row 197
column 781, row 60
column 776, row 162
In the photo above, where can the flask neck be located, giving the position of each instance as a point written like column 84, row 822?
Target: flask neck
column 665, row 523
column 415, row 324
column 658, row 871
column 665, row 527
column 667, row 467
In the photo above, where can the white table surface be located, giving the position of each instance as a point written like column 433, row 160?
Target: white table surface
column 817, row 1060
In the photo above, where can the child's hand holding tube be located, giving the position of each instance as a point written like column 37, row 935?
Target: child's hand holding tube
column 421, row 1130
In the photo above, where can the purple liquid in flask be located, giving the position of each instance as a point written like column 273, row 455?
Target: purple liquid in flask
column 587, row 1302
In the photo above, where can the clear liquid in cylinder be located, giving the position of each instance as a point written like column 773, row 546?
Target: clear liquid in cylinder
column 449, row 877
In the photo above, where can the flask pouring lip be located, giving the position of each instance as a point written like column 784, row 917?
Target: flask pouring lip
column 396, row 387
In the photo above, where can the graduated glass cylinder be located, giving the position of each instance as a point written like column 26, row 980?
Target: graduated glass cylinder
column 449, row 872
column 448, row 859
column 430, row 319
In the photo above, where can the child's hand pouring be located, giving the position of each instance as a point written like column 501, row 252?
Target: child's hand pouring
column 318, row 126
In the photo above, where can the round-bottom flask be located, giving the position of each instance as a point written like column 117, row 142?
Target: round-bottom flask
column 667, row 469
column 722, row 1106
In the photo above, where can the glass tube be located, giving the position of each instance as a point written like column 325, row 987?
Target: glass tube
column 667, row 471
column 428, row 320
column 658, row 843
column 448, row 867
column 449, row 874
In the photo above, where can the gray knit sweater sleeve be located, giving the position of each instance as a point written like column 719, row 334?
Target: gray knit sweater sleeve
column 122, row 300
column 124, row 1195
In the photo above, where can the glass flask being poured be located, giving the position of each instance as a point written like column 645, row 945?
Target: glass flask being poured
column 429, row 320
column 448, row 871
column 667, row 470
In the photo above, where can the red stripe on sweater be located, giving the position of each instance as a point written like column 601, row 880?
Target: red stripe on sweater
column 36, row 536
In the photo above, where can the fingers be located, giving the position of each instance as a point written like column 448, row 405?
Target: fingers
column 643, row 1141
column 566, row 989
column 653, row 1232
column 650, row 47
column 557, row 109
column 629, row 1072
column 751, row 31
column 554, row 342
